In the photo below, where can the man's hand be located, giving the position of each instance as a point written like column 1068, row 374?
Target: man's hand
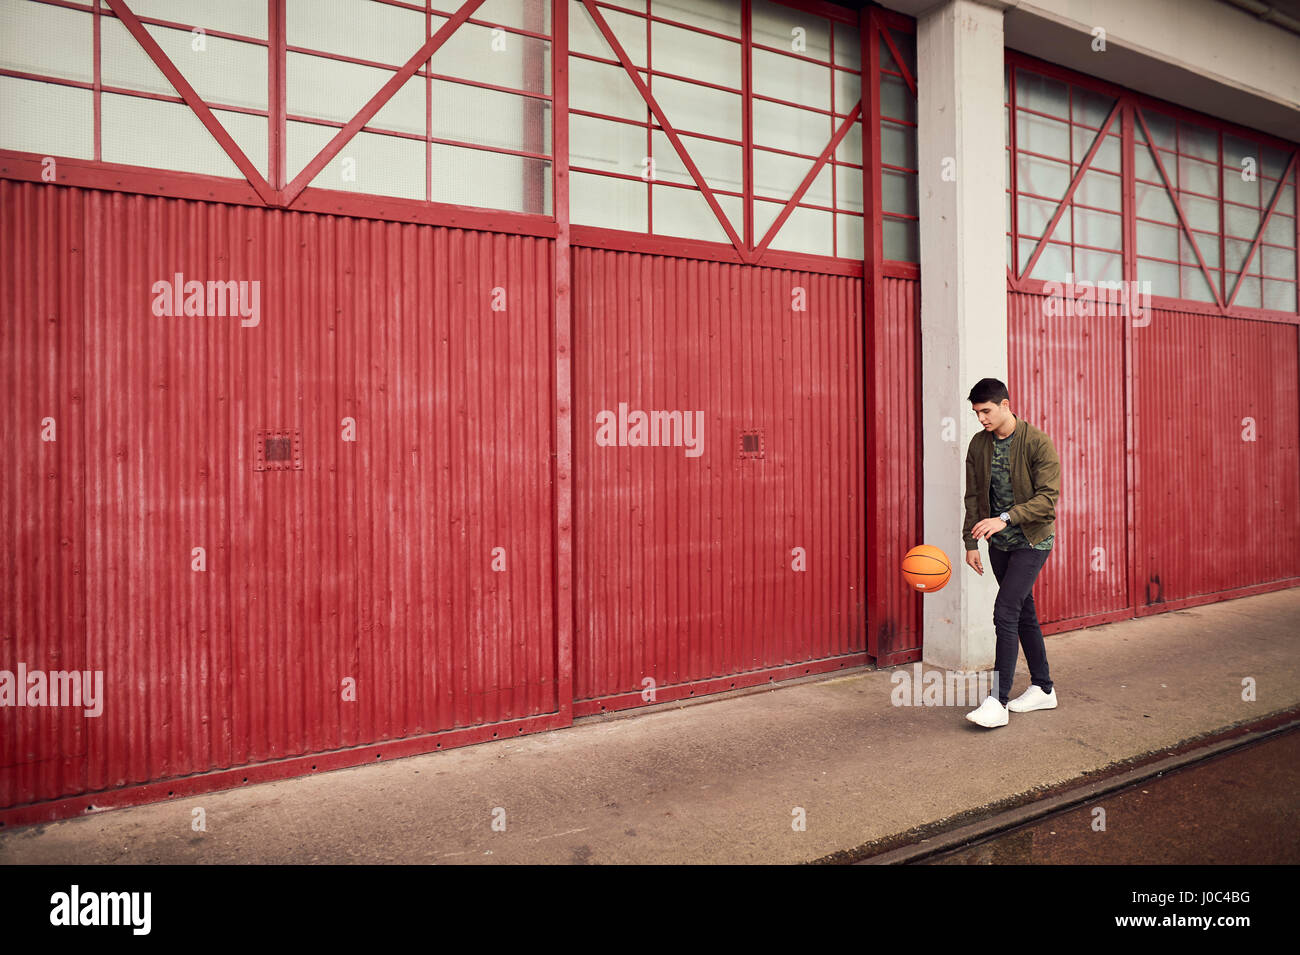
column 987, row 528
column 973, row 559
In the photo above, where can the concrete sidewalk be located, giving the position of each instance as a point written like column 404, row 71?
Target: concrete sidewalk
column 718, row 781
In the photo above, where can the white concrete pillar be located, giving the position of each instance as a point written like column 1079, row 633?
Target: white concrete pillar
column 963, row 297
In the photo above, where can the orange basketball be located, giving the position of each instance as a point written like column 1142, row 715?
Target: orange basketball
column 926, row 568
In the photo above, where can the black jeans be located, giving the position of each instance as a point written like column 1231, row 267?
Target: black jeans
column 1014, row 618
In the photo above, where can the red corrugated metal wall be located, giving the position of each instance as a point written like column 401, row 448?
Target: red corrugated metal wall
column 684, row 564
column 373, row 562
column 894, row 465
column 1213, row 513
column 1218, row 495
column 1067, row 378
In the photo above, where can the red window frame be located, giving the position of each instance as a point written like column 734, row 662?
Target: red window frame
column 1130, row 116
column 276, row 191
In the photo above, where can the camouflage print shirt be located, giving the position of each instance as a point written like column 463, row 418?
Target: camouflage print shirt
column 1001, row 499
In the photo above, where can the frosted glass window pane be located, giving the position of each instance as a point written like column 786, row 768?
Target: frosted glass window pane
column 1098, row 229
column 1162, row 128
column 1144, row 166
column 1042, row 177
column 1197, row 176
column 1279, row 296
column 475, row 177
column 302, row 143
column 1280, row 230
column 1204, row 213
column 850, row 147
column 848, row 236
column 776, row 176
column 486, row 117
column 524, row 64
column 330, row 89
column 161, row 135
column 1153, row 202
column 1107, row 153
column 1272, row 162
column 848, row 91
column 686, row 213
column 719, row 163
column 585, row 36
column 848, row 188
column 785, row 127
column 775, row 26
column 1101, row 190
column 898, row 145
column 1248, row 296
column 792, row 80
column 47, row 119
column 1195, row 286
column 1170, row 161
column 1237, row 189
column 1277, row 263
column 358, row 28
column 848, row 46
column 1053, row 264
column 720, row 16
column 704, row 58
column 226, row 71
column 898, row 192
column 1042, row 94
column 608, row 203
column 896, row 100
column 699, row 109
column 899, row 237
column 1037, row 134
column 1032, row 216
column 377, row 165
column 1240, row 221
column 52, row 41
column 532, row 15
column 602, row 144
column 247, row 17
column 1162, row 276
column 1198, row 141
column 1157, row 240
column 906, row 44
column 1097, row 266
column 1236, row 254
column 600, row 88
column 1208, row 244
column 806, row 230
column 1089, row 108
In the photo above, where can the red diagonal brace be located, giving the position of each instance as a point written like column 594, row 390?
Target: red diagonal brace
column 908, row 78
column 1069, row 193
column 1178, row 208
column 1281, row 184
column 667, row 128
column 192, row 100
column 376, row 102
column 775, row 227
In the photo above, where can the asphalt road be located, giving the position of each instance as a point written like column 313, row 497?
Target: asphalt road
column 1241, row 808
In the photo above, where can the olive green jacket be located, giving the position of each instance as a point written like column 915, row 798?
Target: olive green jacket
column 1035, row 482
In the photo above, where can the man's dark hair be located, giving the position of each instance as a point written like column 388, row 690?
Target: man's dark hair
column 988, row 389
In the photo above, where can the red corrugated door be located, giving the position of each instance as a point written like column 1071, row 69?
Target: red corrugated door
column 688, row 567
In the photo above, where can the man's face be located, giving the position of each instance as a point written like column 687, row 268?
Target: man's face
column 992, row 416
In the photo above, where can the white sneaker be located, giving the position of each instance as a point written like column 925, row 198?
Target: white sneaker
column 1033, row 699
column 989, row 713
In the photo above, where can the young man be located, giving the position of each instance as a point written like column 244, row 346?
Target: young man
column 1013, row 478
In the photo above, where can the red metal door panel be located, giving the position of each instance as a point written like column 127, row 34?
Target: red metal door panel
column 371, row 563
column 1067, row 378
column 684, row 564
column 1217, row 429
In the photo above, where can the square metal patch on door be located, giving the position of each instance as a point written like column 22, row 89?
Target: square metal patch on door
column 279, row 450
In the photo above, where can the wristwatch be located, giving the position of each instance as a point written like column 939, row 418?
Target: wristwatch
column 1005, row 516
